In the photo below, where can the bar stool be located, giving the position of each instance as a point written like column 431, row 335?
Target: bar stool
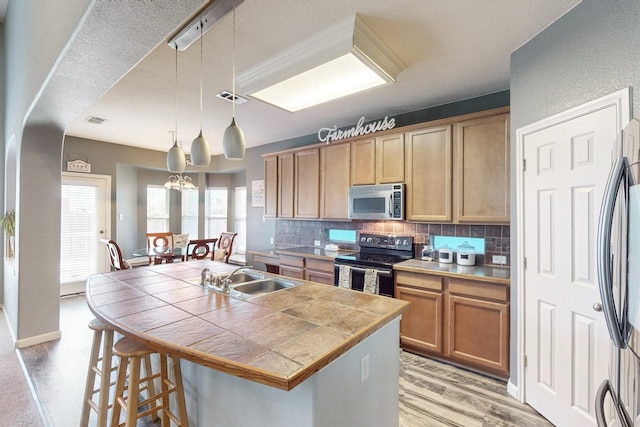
column 98, row 365
column 131, row 353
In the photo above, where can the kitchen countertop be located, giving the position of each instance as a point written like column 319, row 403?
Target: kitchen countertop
column 485, row 273
column 312, row 252
column 278, row 339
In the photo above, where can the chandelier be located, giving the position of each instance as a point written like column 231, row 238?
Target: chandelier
column 179, row 182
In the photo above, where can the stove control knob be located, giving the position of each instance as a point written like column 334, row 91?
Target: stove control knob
column 368, row 239
column 405, row 242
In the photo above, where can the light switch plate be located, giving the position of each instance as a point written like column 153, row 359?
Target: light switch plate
column 499, row 259
column 317, row 243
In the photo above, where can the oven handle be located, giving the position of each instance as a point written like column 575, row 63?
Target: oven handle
column 385, row 273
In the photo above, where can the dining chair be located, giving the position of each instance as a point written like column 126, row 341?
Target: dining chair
column 115, row 255
column 225, row 246
column 161, row 244
column 200, row 249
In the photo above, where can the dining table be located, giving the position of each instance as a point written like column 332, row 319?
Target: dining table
column 160, row 254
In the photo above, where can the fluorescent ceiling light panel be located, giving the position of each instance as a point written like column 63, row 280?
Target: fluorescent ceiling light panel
column 344, row 59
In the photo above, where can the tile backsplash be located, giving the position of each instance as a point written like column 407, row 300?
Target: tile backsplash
column 305, row 233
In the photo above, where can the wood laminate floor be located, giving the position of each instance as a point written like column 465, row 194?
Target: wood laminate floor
column 431, row 393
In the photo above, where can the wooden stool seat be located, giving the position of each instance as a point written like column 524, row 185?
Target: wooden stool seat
column 131, row 354
column 102, row 366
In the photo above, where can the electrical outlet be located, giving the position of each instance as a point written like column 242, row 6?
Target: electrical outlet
column 364, row 368
column 316, row 243
column 499, row 259
column 271, row 240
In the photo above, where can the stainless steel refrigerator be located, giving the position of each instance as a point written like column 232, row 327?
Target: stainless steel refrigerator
column 618, row 252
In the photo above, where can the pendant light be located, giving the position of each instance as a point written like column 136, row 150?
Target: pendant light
column 233, row 143
column 200, row 152
column 176, row 160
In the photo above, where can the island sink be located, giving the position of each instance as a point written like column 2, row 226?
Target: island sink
column 248, row 283
column 264, row 286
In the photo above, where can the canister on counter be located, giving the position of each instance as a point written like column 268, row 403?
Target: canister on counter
column 466, row 254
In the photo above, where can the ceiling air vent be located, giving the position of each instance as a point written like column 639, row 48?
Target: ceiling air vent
column 225, row 94
column 95, row 120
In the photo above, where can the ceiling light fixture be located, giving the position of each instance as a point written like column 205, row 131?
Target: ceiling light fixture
column 179, row 182
column 233, row 142
column 343, row 59
column 200, row 152
column 176, row 159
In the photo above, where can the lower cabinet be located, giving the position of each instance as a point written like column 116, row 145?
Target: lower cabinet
column 292, row 266
column 307, row 268
column 464, row 321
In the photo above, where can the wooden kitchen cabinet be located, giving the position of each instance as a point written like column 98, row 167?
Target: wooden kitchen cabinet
column 363, row 162
column 271, row 187
column 307, row 183
column 482, row 170
column 421, row 327
column 285, row 185
column 334, row 181
column 428, row 156
column 460, row 320
column 319, row 270
column 292, row 266
column 390, row 159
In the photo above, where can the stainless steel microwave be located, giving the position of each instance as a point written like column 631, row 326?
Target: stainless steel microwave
column 381, row 202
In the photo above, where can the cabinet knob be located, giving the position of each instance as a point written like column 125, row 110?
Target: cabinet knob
column 597, row 307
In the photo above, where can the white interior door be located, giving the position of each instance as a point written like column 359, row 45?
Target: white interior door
column 84, row 220
column 566, row 342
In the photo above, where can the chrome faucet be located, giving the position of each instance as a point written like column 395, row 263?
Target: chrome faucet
column 225, row 282
column 204, row 277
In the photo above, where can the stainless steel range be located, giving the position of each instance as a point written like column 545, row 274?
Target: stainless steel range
column 379, row 253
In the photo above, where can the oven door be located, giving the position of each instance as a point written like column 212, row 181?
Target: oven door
column 385, row 279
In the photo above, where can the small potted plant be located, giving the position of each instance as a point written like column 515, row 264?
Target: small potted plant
column 8, row 223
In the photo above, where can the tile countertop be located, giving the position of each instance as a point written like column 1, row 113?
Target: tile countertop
column 484, row 273
column 278, row 339
column 312, row 252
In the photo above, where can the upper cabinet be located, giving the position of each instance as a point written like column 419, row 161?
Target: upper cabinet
column 363, row 161
column 285, row 185
column 307, row 183
column 271, row 186
column 482, row 170
column 334, row 181
column 390, row 159
column 429, row 172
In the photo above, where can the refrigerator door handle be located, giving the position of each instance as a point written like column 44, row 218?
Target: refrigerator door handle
column 617, row 177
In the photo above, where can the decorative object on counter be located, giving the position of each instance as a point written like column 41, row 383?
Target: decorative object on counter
column 445, row 255
column 466, row 254
column 345, row 58
column 179, row 182
column 428, row 254
column 233, row 143
column 331, row 247
column 200, row 151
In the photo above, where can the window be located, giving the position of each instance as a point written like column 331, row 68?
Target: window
column 190, row 213
column 240, row 220
column 157, row 209
column 216, row 211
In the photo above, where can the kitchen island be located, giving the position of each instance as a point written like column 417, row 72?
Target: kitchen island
column 312, row 355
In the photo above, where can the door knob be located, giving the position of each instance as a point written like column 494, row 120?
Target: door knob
column 597, row 307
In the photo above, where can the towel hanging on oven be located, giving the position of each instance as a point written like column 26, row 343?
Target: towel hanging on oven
column 370, row 281
column 344, row 277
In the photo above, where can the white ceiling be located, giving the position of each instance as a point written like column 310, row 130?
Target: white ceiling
column 452, row 49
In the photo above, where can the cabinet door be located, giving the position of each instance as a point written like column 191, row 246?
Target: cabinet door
column 307, row 183
column 285, row 185
column 271, row 187
column 363, row 162
column 334, row 181
column 429, row 173
column 421, row 324
column 479, row 332
column 482, row 170
column 390, row 159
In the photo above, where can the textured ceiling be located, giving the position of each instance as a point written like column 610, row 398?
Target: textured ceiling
column 453, row 50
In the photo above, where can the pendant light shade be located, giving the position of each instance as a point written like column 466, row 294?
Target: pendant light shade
column 233, row 143
column 176, row 160
column 200, row 152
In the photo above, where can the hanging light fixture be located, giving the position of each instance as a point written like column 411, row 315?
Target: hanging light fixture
column 233, row 143
column 200, row 152
column 179, row 182
column 176, row 160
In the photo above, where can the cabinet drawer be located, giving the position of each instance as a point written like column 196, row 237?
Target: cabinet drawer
column 295, row 273
column 479, row 289
column 418, row 280
column 320, row 265
column 320, row 277
column 292, row 261
column 267, row 259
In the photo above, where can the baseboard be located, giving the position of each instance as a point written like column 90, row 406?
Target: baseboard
column 512, row 389
column 26, row 342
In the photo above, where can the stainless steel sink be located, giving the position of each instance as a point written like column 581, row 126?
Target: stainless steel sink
column 243, row 276
column 261, row 287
